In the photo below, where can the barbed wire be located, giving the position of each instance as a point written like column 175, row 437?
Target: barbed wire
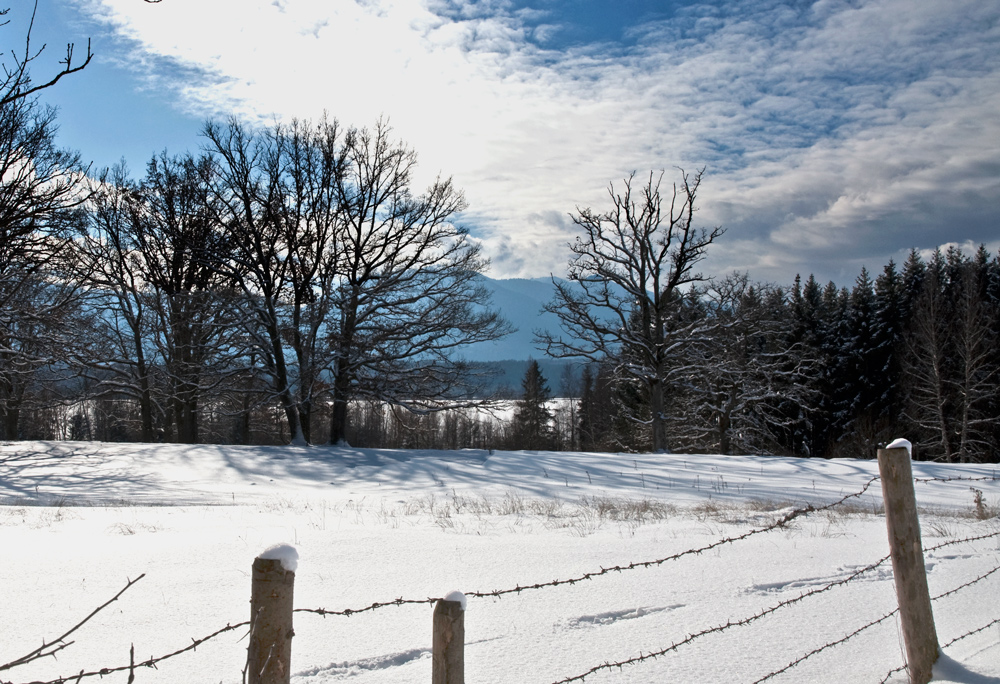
column 783, row 604
column 973, row 631
column 498, row 593
column 891, row 672
column 964, row 540
column 720, row 628
column 957, row 478
column 150, row 662
column 780, row 523
column 872, row 624
column 59, row 643
column 153, row 661
column 967, row 584
column 822, row 648
column 996, row 621
column 347, row 612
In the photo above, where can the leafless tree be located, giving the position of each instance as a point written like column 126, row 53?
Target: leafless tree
column 122, row 356
column 180, row 243
column 16, row 84
column 625, row 279
column 277, row 194
column 408, row 290
column 42, row 192
column 741, row 389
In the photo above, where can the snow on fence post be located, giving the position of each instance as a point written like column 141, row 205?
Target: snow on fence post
column 269, row 652
column 449, row 640
column 907, row 552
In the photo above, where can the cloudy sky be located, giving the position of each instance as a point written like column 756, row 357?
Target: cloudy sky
column 836, row 133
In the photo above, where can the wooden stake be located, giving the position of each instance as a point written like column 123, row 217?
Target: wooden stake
column 908, row 570
column 448, row 643
column 270, row 651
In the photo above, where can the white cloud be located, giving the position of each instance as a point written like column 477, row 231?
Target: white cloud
column 834, row 135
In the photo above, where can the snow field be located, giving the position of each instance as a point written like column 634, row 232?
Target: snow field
column 393, row 531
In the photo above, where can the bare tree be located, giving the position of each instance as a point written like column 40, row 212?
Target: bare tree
column 409, row 294
column 16, row 84
column 624, row 281
column 123, row 355
column 181, row 244
column 42, row 192
column 278, row 198
column 741, row 372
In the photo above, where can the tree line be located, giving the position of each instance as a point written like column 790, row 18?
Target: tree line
column 674, row 360
column 248, row 292
column 820, row 370
column 278, row 268
column 288, row 284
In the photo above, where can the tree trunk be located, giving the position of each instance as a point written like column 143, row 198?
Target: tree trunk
column 186, row 415
column 659, row 424
column 9, row 421
column 145, row 407
column 305, row 420
column 338, row 417
column 342, row 381
column 281, row 384
column 145, row 398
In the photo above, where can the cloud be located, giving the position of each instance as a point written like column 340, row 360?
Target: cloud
column 835, row 134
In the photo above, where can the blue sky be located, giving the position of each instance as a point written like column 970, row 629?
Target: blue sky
column 836, row 134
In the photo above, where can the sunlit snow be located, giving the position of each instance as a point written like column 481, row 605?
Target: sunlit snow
column 81, row 519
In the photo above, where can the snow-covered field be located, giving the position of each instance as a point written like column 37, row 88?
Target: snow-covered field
column 78, row 520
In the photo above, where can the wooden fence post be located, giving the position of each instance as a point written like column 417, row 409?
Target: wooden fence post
column 449, row 640
column 269, row 652
column 908, row 570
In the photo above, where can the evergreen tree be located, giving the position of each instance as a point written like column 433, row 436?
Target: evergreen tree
column 860, row 382
column 886, row 341
column 596, row 408
column 532, row 421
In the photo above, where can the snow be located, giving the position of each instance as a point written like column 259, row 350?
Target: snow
column 901, row 444
column 457, row 597
column 286, row 553
column 82, row 519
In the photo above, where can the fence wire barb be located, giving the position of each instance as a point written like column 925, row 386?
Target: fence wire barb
column 957, row 478
column 878, row 621
column 729, row 623
column 348, row 612
column 498, row 593
column 788, row 602
column 59, row 643
column 974, row 631
column 150, row 662
column 893, row 671
column 822, row 648
column 965, row 540
column 780, row 523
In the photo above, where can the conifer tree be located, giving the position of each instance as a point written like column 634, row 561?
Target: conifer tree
column 532, row 422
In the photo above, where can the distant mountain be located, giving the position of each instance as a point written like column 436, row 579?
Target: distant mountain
column 520, row 301
column 509, row 373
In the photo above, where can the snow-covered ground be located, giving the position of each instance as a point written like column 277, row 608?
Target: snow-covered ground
column 78, row 520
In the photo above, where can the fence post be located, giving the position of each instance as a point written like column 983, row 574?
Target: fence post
column 269, row 652
column 449, row 640
column 908, row 570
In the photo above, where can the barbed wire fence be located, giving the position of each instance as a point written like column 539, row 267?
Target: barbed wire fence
column 50, row 648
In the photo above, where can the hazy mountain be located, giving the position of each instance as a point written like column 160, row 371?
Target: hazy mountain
column 520, row 300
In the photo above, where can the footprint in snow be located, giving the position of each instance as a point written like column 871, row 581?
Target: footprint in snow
column 352, row 668
column 602, row 619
